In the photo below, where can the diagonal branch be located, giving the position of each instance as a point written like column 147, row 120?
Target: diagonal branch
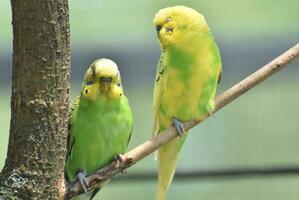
column 166, row 136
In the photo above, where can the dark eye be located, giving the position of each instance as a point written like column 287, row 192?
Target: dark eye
column 89, row 82
column 86, row 91
column 168, row 19
column 118, row 84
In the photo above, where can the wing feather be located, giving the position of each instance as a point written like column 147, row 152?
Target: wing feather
column 160, row 86
column 72, row 115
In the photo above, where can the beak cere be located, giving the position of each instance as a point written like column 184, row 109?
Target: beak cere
column 105, row 79
column 105, row 84
column 169, row 29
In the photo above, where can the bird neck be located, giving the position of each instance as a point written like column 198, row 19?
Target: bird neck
column 179, row 58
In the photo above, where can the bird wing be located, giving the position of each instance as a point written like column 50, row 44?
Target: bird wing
column 72, row 115
column 219, row 77
column 160, row 86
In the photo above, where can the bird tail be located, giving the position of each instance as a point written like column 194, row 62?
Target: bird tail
column 87, row 196
column 94, row 192
column 167, row 159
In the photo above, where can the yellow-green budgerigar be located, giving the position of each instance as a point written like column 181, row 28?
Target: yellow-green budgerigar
column 100, row 122
column 186, row 80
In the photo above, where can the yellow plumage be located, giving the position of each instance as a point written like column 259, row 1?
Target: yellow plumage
column 186, row 80
column 106, row 68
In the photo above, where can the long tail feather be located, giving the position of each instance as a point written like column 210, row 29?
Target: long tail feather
column 167, row 159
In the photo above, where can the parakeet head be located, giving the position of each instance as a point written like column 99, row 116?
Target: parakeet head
column 102, row 78
column 177, row 24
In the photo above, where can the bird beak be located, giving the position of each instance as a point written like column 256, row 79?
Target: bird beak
column 158, row 28
column 105, row 83
column 105, row 79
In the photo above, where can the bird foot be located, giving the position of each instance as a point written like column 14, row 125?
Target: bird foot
column 121, row 159
column 178, row 125
column 83, row 181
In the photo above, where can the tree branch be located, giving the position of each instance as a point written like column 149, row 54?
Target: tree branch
column 166, row 136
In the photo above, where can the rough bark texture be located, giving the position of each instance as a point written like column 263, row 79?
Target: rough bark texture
column 34, row 168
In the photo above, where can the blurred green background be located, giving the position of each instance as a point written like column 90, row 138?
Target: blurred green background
column 259, row 129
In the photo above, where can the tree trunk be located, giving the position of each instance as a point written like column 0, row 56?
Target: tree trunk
column 34, row 167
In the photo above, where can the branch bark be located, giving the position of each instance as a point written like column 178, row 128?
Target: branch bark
column 166, row 136
column 34, row 167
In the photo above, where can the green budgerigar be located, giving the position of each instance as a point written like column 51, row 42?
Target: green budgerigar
column 100, row 122
column 186, row 81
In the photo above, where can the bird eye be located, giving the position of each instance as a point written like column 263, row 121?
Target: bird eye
column 89, row 82
column 158, row 28
column 86, row 91
column 118, row 84
column 168, row 19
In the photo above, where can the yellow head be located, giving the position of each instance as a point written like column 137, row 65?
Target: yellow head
column 102, row 78
column 178, row 24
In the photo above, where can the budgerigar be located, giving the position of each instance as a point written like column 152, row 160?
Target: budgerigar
column 100, row 122
column 186, row 80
